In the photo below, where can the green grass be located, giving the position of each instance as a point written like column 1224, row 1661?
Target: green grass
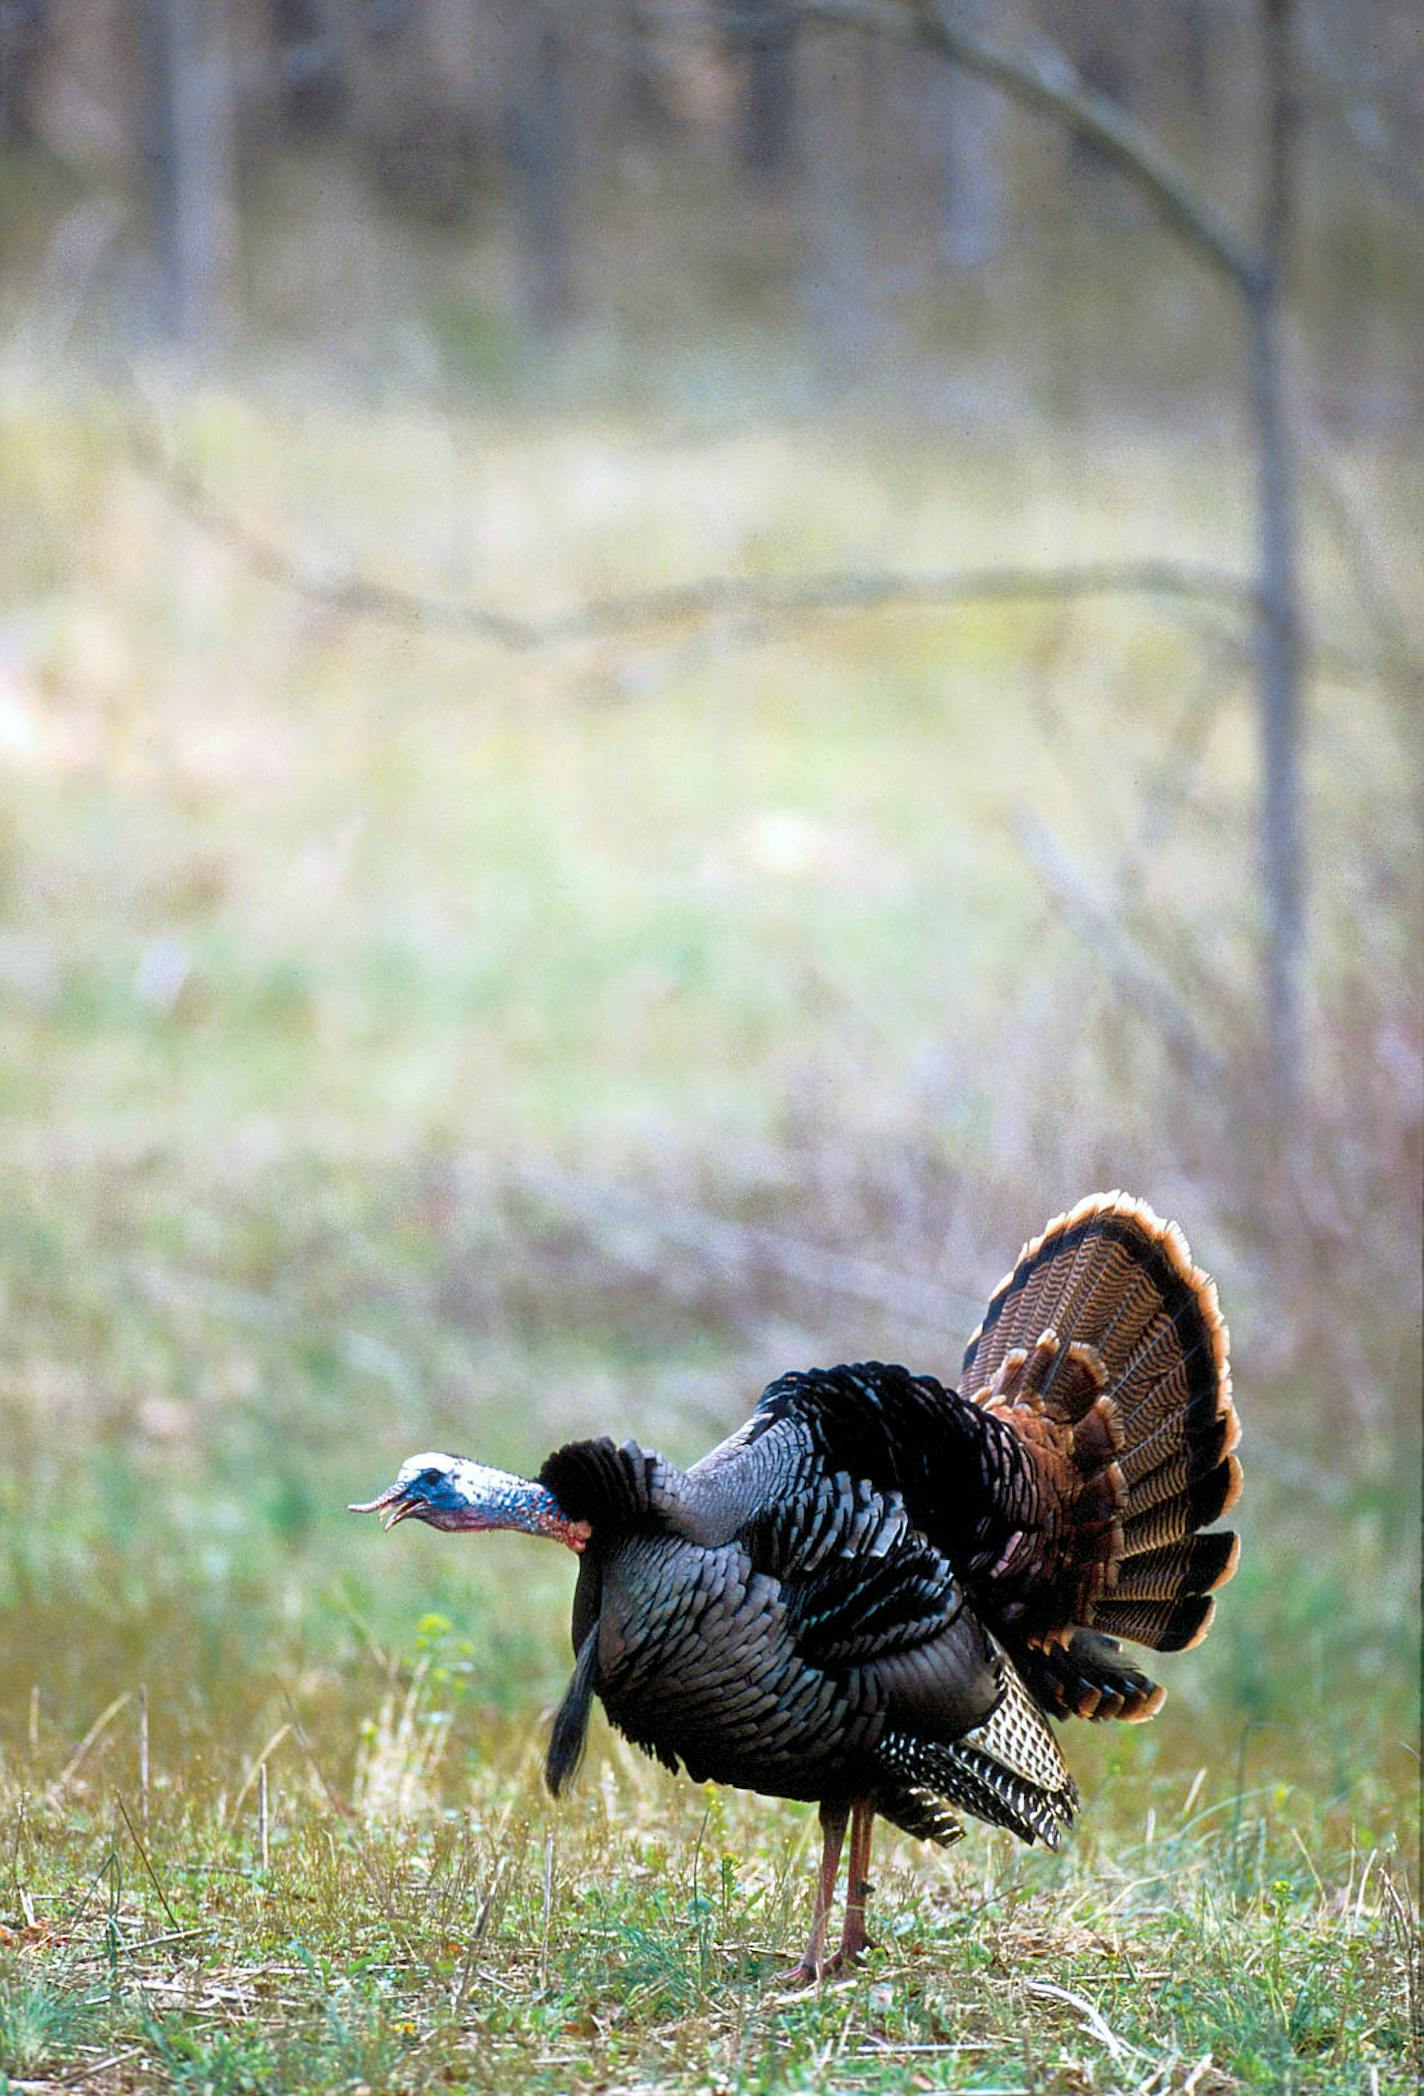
column 383, row 1023
column 422, row 1915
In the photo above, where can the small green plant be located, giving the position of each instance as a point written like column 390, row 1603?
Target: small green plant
column 365, row 2042
column 446, row 1659
column 199, row 2063
column 42, row 2022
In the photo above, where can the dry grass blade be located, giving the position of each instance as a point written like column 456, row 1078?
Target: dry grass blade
column 146, row 1861
column 1093, row 2018
column 55, row 1791
column 255, row 1766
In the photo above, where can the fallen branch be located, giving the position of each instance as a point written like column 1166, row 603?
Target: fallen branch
column 704, row 601
column 1094, row 2022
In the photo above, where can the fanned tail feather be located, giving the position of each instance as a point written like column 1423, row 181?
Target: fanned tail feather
column 1088, row 1678
column 1106, row 1351
column 1167, row 1626
column 1196, row 1566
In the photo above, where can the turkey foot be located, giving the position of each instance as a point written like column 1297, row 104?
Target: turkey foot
column 851, row 1952
column 853, row 1945
column 801, row 1975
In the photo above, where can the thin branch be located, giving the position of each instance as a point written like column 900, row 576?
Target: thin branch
column 1400, row 658
column 704, row 601
column 1165, row 788
column 137, row 1839
column 1093, row 2021
column 1122, row 959
column 76, row 1760
column 357, row 596
column 740, row 1248
column 791, row 597
column 1280, row 632
column 1360, row 119
column 1043, row 79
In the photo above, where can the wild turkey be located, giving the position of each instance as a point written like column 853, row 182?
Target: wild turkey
column 877, row 1592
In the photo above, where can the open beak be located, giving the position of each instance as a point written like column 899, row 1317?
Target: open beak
column 395, row 1504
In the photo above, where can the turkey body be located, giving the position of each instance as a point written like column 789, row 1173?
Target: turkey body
column 770, row 1621
column 737, row 1691
column 880, row 1590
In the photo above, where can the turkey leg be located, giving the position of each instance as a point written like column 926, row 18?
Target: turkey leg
column 833, row 1826
column 854, row 1941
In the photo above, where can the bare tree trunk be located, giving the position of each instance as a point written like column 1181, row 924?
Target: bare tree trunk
column 1103, row 67
column 1044, row 80
column 1278, row 672
column 309, row 55
column 24, row 31
column 641, row 94
column 836, row 275
column 1195, row 29
column 189, row 151
column 968, row 118
column 453, row 44
column 769, row 109
column 541, row 155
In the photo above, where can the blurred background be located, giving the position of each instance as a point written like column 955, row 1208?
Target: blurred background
column 665, row 672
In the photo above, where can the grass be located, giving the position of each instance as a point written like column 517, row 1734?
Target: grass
column 241, row 1938
column 384, row 1024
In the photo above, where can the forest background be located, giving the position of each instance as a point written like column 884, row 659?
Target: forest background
column 666, row 671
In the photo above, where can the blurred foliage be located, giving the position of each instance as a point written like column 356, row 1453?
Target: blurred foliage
column 405, row 1043
column 405, row 1046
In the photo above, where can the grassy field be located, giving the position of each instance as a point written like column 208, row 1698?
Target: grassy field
column 407, row 1044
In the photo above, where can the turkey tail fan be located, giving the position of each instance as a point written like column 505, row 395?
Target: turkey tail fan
column 1087, row 1677
column 1197, row 1566
column 1106, row 1351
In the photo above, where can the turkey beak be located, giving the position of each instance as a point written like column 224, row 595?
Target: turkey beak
column 394, row 1503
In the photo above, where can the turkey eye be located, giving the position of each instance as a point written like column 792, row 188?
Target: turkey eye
column 430, row 1477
